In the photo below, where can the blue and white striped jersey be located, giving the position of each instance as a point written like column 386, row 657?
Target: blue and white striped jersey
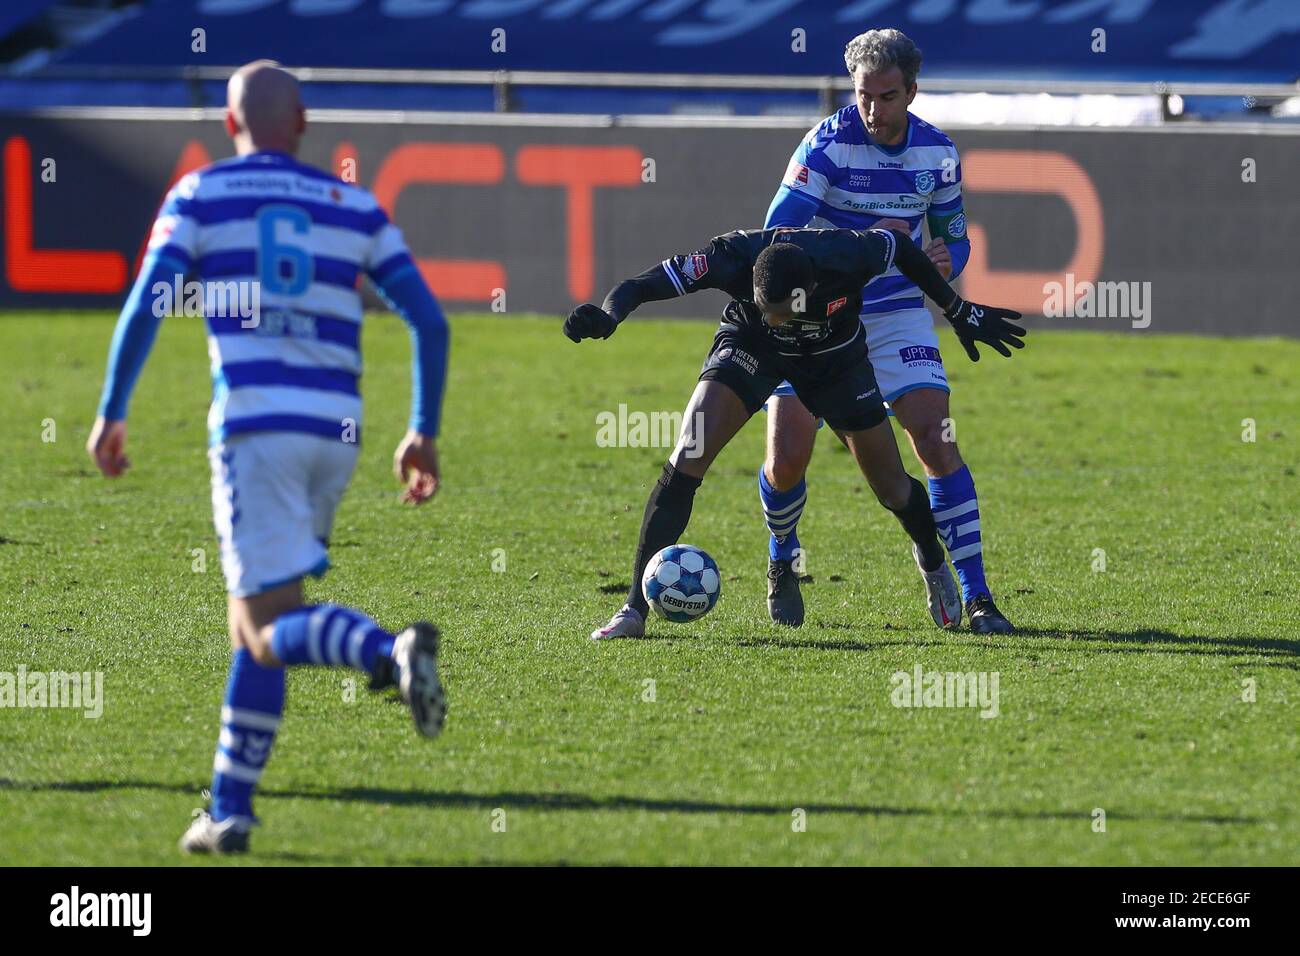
column 838, row 178
column 301, row 238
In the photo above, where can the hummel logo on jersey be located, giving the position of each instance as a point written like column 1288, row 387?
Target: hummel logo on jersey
column 884, row 165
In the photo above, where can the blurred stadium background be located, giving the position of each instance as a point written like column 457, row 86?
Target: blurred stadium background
column 544, row 149
column 1110, row 140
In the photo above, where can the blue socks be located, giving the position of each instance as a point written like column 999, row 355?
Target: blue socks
column 781, row 511
column 330, row 635
column 952, row 500
column 957, row 513
column 323, row 634
column 249, row 718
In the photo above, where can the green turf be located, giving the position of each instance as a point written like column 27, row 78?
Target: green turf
column 1123, row 690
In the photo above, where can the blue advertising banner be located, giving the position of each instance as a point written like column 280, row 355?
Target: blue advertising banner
column 17, row 13
column 1246, row 40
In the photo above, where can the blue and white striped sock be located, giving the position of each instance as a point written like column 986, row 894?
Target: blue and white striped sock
column 327, row 635
column 249, row 718
column 956, row 512
column 781, row 511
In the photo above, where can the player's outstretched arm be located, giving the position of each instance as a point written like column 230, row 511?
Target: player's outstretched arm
column 971, row 321
column 415, row 462
column 137, row 327
column 589, row 321
column 790, row 209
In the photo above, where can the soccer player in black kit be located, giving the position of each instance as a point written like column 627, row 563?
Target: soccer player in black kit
column 793, row 316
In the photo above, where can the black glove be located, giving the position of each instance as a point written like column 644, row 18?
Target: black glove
column 984, row 323
column 589, row 322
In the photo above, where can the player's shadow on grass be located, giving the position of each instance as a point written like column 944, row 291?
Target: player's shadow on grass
column 315, row 859
column 1277, row 651
column 487, row 802
column 1222, row 646
column 835, row 644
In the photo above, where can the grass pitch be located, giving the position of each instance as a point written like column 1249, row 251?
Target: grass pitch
column 1128, row 690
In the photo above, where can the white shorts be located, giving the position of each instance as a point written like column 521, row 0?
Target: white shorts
column 273, row 501
column 904, row 351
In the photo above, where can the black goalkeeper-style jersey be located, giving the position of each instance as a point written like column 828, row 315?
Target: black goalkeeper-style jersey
column 844, row 260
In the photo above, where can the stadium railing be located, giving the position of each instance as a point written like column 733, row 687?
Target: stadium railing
column 510, row 89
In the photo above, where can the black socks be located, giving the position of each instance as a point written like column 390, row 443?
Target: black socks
column 918, row 521
column 666, row 515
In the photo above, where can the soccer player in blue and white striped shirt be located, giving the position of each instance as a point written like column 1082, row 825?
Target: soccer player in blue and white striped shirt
column 875, row 165
column 273, row 249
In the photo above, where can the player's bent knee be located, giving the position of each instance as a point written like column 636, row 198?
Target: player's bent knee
column 696, row 467
column 245, row 633
column 258, row 642
column 784, row 473
column 937, row 452
column 893, row 493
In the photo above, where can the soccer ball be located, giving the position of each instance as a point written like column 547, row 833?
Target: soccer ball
column 681, row 583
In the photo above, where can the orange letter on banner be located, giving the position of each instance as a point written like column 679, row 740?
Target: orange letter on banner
column 470, row 280
column 47, row 270
column 1031, row 171
column 579, row 169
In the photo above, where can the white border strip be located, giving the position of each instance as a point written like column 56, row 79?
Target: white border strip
column 603, row 120
column 686, row 81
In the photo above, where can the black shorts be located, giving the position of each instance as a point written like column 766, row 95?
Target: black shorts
column 838, row 385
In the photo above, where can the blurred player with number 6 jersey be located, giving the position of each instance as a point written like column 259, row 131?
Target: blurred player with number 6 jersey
column 285, row 417
column 875, row 165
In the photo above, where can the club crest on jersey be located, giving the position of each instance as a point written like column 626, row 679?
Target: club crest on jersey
column 836, row 305
column 957, row 225
column 695, row 266
column 925, row 182
column 796, row 175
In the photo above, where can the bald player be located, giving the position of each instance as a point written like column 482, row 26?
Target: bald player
column 277, row 248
